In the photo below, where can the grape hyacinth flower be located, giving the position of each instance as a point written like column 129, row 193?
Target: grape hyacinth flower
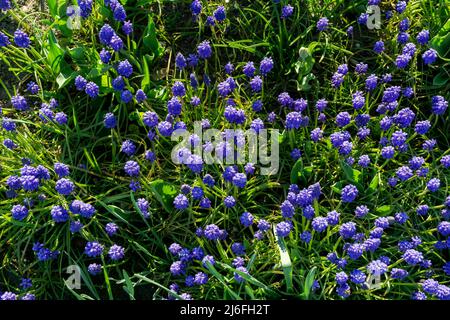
column 322, row 24
column 128, row 147
column 125, row 69
column 378, row 47
column 196, row 7
column 246, row 219
column 319, row 224
column 400, row 7
column 439, row 105
column 204, row 50
column 111, row 228
column 266, row 65
column 349, row 193
column 287, row 11
column 21, row 39
column 423, row 37
column 64, row 186
column 429, row 56
column 93, row 249
column 19, row 212
column 433, row 185
column 80, row 83
column 249, row 69
column 127, row 28
column 220, row 14
column 92, row 89
column 283, row 228
column 94, row 268
column 116, row 252
column 181, row 202
column 19, row 103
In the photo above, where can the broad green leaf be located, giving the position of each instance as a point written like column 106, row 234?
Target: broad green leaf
column 95, row 72
column 337, row 187
column 53, row 7
column 384, row 210
column 441, row 42
column 441, row 78
column 146, row 80
column 352, row 175
column 296, row 171
column 106, row 83
column 164, row 192
column 309, row 282
column 77, row 53
column 65, row 76
column 150, row 40
column 129, row 286
column 373, row 186
column 282, row 137
column 65, row 30
column 55, row 53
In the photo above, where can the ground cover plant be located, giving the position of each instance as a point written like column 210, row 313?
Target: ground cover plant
column 96, row 201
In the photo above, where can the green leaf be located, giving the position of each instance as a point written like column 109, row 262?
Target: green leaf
column 441, row 42
column 352, row 175
column 129, row 286
column 303, row 84
column 79, row 296
column 250, row 279
column 441, row 78
column 145, row 279
column 286, row 263
column 384, row 210
column 309, row 281
column 95, row 72
column 150, row 40
column 146, row 80
column 144, row 250
column 296, row 171
column 241, row 45
column 282, row 137
column 92, row 160
column 77, row 53
column 115, row 211
column 337, row 187
column 65, row 76
column 53, row 7
column 222, row 280
column 373, row 186
column 106, row 83
column 62, row 26
column 164, row 192
column 55, row 53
